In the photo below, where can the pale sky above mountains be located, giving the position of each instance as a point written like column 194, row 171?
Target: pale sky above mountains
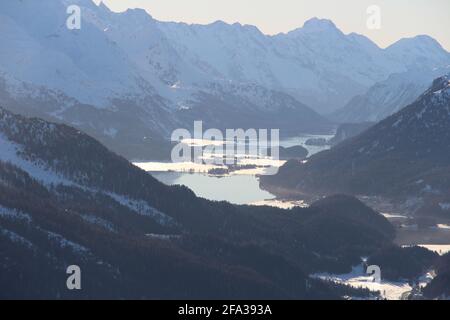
column 399, row 18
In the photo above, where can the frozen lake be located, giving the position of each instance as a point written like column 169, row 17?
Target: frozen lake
column 238, row 187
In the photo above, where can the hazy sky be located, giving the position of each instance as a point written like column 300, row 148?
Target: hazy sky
column 399, row 18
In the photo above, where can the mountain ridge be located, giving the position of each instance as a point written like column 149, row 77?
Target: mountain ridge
column 161, row 75
column 404, row 156
column 65, row 199
column 387, row 97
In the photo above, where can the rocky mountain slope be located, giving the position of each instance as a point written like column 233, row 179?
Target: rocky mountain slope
column 67, row 200
column 439, row 288
column 120, row 79
column 407, row 155
column 126, row 77
column 317, row 63
column 388, row 97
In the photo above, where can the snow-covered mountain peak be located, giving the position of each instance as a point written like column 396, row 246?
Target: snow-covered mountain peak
column 417, row 41
column 138, row 13
column 129, row 58
column 219, row 24
column 103, row 6
column 430, row 111
column 419, row 51
column 316, row 26
column 319, row 24
column 87, row 4
column 248, row 28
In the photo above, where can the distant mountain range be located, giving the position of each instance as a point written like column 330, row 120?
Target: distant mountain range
column 406, row 156
column 129, row 80
column 387, row 97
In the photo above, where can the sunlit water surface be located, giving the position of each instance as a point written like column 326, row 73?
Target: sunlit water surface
column 240, row 187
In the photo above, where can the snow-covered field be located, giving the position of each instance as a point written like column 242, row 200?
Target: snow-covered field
column 176, row 166
column 359, row 279
column 438, row 248
column 280, row 204
column 393, row 216
column 214, row 160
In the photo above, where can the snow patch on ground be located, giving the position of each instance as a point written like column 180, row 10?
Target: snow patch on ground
column 142, row 208
column 99, row 222
column 176, row 166
column 111, row 132
column 14, row 214
column 357, row 278
column 14, row 237
column 439, row 249
column 163, row 236
column 64, row 243
column 281, row 204
column 393, row 216
column 9, row 152
column 399, row 120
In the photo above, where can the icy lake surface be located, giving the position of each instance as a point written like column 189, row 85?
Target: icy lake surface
column 239, row 187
